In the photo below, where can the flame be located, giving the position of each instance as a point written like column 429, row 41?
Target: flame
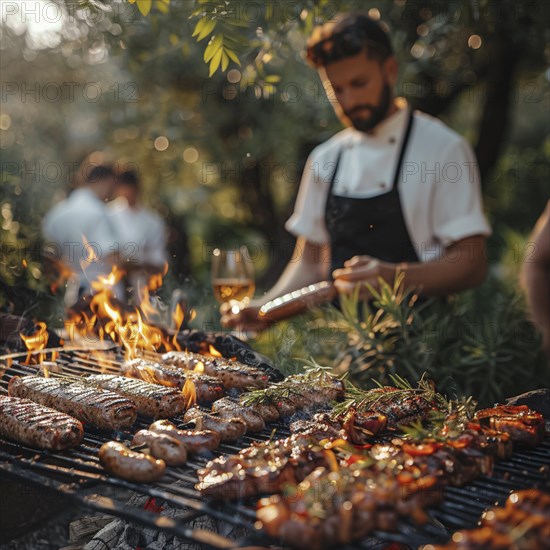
column 189, row 392
column 91, row 256
column 36, row 342
column 213, row 351
column 45, row 370
column 135, row 329
column 178, row 317
column 199, row 367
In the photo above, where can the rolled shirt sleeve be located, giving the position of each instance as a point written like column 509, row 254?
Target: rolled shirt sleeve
column 457, row 207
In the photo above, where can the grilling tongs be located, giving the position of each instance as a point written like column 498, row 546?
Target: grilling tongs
column 298, row 301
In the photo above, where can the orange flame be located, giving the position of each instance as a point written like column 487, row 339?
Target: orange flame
column 213, row 351
column 199, row 367
column 135, row 330
column 189, row 392
column 36, row 342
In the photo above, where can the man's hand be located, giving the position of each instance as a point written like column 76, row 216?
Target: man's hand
column 360, row 270
column 243, row 317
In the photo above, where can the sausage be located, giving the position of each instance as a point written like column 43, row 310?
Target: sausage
column 101, row 408
column 163, row 446
column 207, row 388
column 231, row 373
column 150, row 399
column 196, row 441
column 229, row 429
column 227, row 408
column 120, row 461
column 32, row 424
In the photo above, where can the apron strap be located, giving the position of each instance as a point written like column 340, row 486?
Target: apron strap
column 335, row 171
column 406, row 137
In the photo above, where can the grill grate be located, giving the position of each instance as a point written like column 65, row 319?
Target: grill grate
column 75, row 472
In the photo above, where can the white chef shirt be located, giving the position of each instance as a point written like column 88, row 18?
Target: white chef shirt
column 439, row 183
column 78, row 232
column 141, row 234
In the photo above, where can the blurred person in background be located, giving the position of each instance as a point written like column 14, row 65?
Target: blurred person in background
column 140, row 235
column 395, row 191
column 536, row 277
column 79, row 236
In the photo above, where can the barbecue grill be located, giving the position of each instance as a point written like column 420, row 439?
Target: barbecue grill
column 73, row 473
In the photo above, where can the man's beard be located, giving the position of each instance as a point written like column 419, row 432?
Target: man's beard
column 378, row 112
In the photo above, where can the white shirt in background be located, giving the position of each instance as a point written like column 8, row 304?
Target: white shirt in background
column 79, row 234
column 439, row 184
column 140, row 234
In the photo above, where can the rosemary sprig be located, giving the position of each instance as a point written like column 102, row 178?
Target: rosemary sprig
column 314, row 376
column 441, row 425
column 364, row 400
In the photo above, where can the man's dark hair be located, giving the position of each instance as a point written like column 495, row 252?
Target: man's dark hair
column 98, row 173
column 129, row 178
column 347, row 35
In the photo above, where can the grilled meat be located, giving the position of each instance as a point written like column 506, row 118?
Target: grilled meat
column 296, row 393
column 229, row 429
column 403, row 410
column 196, row 441
column 231, row 373
column 120, row 461
column 162, row 446
column 360, row 427
column 331, row 509
column 229, row 408
column 524, row 425
column 523, row 524
column 37, row 426
column 102, row 408
column 321, row 426
column 261, row 468
column 150, row 399
column 208, row 388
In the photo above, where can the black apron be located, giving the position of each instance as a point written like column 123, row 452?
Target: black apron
column 372, row 226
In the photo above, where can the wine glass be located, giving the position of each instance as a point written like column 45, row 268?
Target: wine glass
column 233, row 277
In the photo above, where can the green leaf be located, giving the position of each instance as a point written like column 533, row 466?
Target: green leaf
column 162, row 6
column 215, row 62
column 215, row 45
column 144, row 6
column 233, row 56
column 273, row 78
column 209, row 27
column 225, row 61
column 203, row 28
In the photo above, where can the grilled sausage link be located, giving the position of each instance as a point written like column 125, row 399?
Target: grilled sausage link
column 196, row 441
column 207, row 388
column 102, row 408
column 231, row 373
column 38, row 426
column 227, row 408
column 150, row 399
column 163, row 446
column 117, row 459
column 229, row 429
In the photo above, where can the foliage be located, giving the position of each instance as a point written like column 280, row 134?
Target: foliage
column 479, row 344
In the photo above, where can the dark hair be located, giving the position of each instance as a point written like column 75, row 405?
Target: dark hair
column 346, row 36
column 98, row 173
column 129, row 178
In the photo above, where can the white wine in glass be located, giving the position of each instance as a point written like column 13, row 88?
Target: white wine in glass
column 232, row 276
